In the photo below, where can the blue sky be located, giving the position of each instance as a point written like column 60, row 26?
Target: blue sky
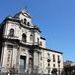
column 56, row 19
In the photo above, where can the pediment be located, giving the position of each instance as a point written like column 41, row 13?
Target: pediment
column 23, row 13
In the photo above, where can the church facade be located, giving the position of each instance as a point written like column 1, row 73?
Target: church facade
column 24, row 49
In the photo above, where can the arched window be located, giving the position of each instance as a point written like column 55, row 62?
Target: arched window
column 28, row 23
column 24, row 37
column 53, row 58
column 40, row 43
column 31, row 37
column 11, row 32
column 25, row 21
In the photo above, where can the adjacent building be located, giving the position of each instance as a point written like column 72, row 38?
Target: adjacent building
column 23, row 48
column 69, row 68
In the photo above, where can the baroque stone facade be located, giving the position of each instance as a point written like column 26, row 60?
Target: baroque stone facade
column 23, row 48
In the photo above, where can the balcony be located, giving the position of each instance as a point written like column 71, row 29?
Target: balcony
column 28, row 43
column 20, row 41
column 10, row 37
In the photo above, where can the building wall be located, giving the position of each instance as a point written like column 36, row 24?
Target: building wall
column 41, row 57
column 45, row 57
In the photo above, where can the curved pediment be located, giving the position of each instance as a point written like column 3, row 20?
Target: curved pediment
column 24, row 13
